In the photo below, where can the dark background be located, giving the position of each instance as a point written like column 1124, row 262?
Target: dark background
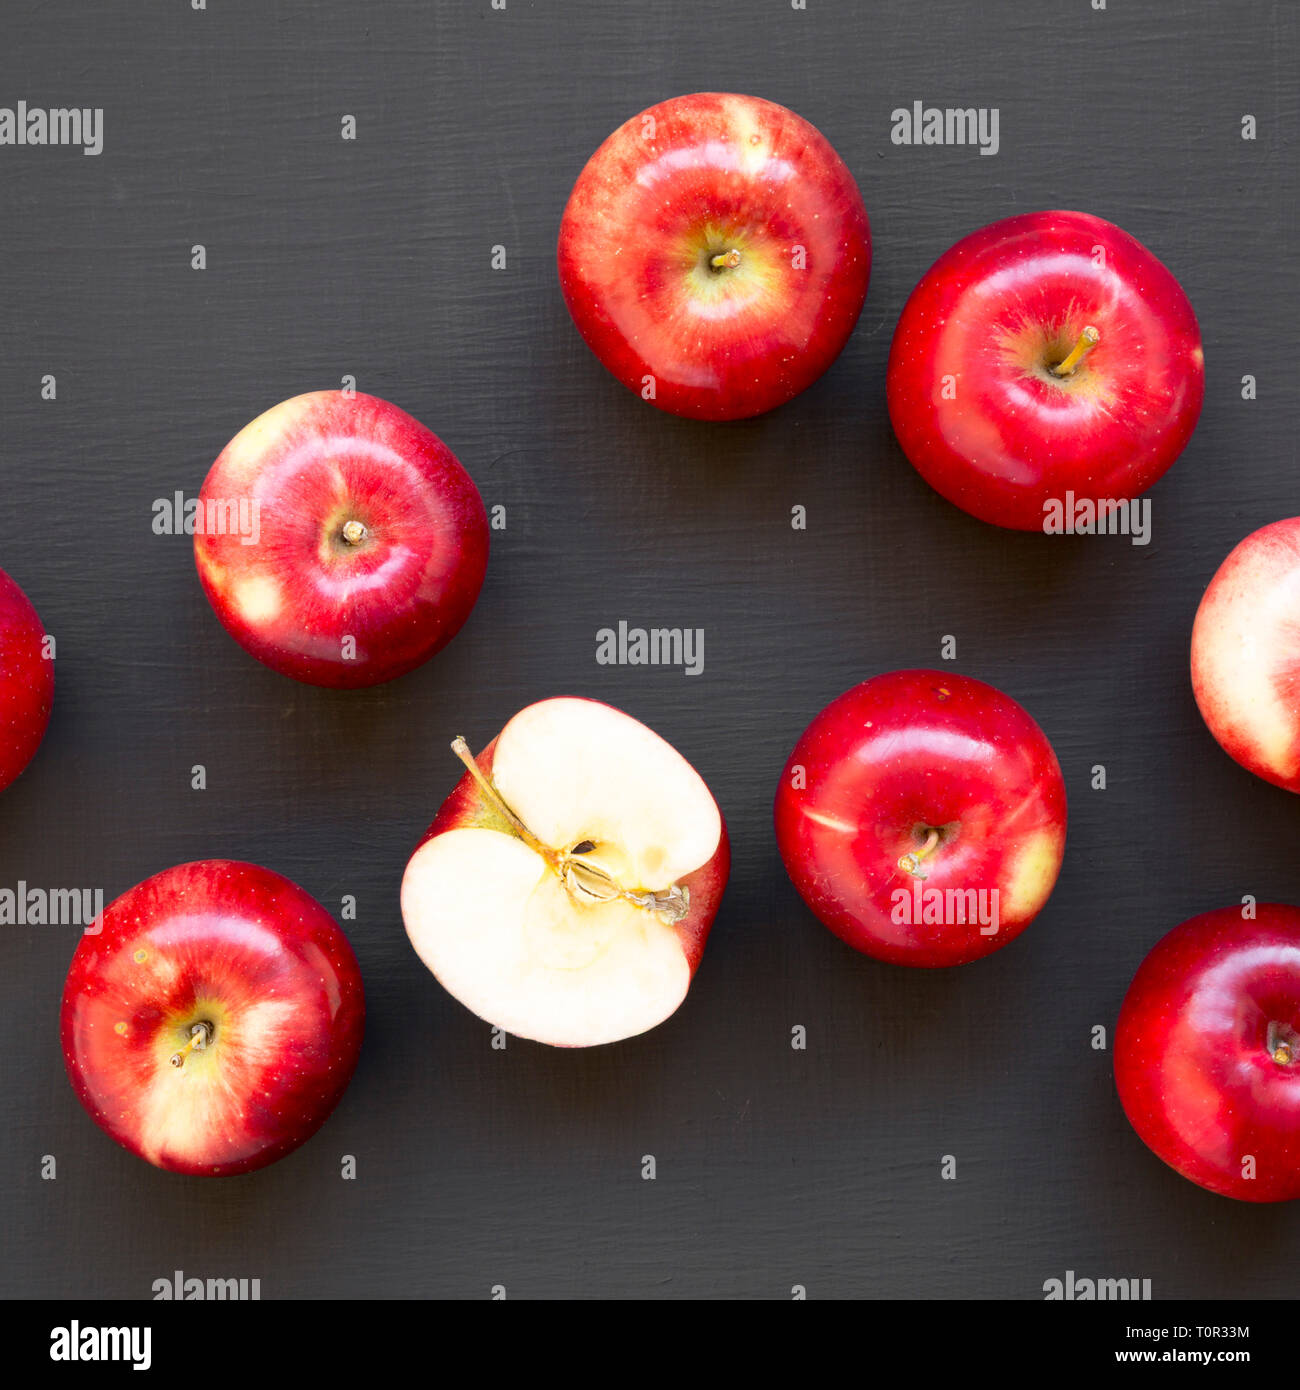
column 372, row 258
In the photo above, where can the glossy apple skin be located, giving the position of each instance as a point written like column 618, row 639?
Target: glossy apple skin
column 26, row 681
column 1195, row 1075
column 913, row 749
column 719, row 172
column 314, row 463
column 466, row 808
column 225, row 936
column 994, row 312
column 1245, row 660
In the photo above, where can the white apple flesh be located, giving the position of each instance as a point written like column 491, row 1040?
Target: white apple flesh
column 564, row 891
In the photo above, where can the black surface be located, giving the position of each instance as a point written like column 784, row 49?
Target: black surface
column 523, row 1168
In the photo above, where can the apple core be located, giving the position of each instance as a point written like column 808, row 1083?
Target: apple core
column 585, row 879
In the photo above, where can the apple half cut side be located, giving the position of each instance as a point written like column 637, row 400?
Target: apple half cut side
column 565, row 890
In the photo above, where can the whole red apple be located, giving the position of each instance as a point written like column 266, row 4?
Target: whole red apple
column 1245, row 660
column 339, row 540
column 1047, row 360
column 714, row 254
column 922, row 818
column 215, row 1020
column 1207, row 1052
column 26, row 681
column 565, row 889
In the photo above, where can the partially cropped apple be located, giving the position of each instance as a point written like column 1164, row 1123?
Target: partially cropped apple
column 214, row 1020
column 922, row 817
column 341, row 542
column 566, row 887
column 1207, row 1052
column 715, row 254
column 26, row 681
column 1246, row 654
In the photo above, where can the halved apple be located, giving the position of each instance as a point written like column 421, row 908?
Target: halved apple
column 565, row 889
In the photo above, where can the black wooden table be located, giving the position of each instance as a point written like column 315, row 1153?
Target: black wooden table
column 328, row 258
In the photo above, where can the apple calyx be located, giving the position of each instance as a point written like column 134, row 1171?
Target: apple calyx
column 1283, row 1044
column 354, row 532
column 725, row 260
column 585, row 880
column 201, row 1034
column 1087, row 340
column 910, row 863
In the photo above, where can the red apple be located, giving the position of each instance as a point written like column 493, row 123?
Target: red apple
column 341, row 542
column 1045, row 355
column 566, row 887
column 1245, row 658
column 26, row 681
column 714, row 254
column 215, row 1019
column 1207, row 1052
column 922, row 818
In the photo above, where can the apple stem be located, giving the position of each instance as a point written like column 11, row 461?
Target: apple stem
column 354, row 532
column 580, row 876
column 911, row 863
column 1280, row 1048
column 497, row 802
column 726, row 260
column 674, row 903
column 200, row 1037
column 1088, row 340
